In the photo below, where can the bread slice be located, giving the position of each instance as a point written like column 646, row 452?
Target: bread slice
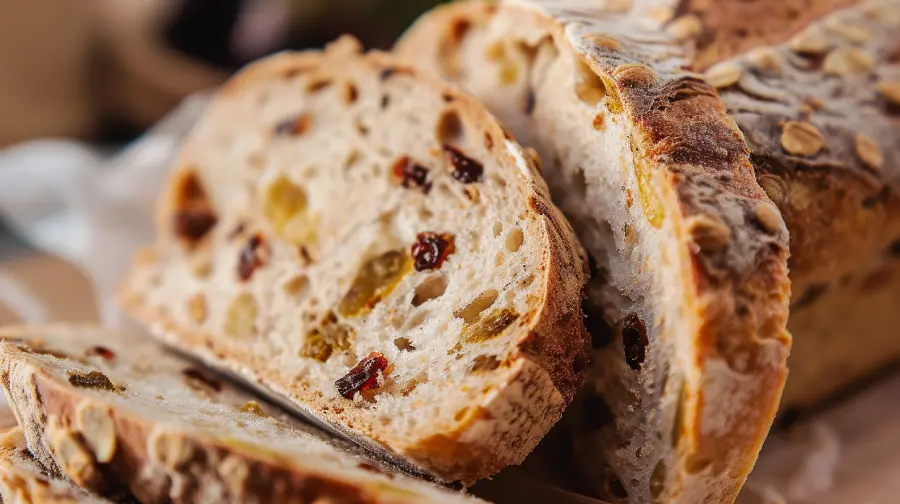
column 818, row 98
column 24, row 481
column 113, row 411
column 688, row 299
column 372, row 246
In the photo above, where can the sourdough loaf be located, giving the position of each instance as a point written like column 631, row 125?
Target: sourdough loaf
column 372, row 246
column 687, row 304
column 816, row 91
column 117, row 413
column 24, row 481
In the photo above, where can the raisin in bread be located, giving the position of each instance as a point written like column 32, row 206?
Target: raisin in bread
column 113, row 411
column 688, row 299
column 24, row 481
column 818, row 97
column 371, row 245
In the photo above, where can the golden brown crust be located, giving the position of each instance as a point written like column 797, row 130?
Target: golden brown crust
column 736, row 293
column 551, row 352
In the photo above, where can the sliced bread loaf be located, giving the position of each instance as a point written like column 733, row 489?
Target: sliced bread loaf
column 688, row 299
column 372, row 246
column 115, row 413
column 24, row 481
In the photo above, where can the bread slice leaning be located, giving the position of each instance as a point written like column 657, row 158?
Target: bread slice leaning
column 372, row 246
column 24, row 481
column 688, row 299
column 117, row 413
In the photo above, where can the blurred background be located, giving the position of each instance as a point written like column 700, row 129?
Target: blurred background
column 103, row 71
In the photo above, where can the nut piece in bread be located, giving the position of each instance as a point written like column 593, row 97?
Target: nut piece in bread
column 688, row 299
column 383, row 255
column 155, row 424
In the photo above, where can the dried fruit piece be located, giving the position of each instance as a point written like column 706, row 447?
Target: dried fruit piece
column 196, row 308
column 489, row 326
column 723, row 75
column 93, row 380
column 283, row 201
column 254, row 408
column 197, row 378
column 812, row 40
column 485, row 363
column 846, row 61
column 465, row 169
column 294, row 126
column 868, row 151
column 240, row 318
column 650, row 202
column 801, row 139
column 589, row 87
column 411, row 174
column 322, row 341
column 363, row 376
column 253, row 255
column 102, row 352
column 890, row 90
column 376, row 279
column 193, row 216
column 635, row 341
column 431, row 250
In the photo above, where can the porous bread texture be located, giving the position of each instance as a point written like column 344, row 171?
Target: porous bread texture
column 297, row 162
column 820, row 112
column 116, row 412
column 24, row 481
column 690, row 255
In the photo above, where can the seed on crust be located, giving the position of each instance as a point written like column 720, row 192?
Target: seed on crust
column 801, row 139
column 196, row 308
column 853, row 33
column 74, row 459
column 768, row 218
column 169, row 449
column 635, row 341
column 847, row 61
column 812, row 40
column 890, row 90
column 685, row 27
column 363, row 376
column 868, row 151
column 465, row 169
column 253, row 255
column 766, row 60
column 723, row 75
column 411, row 175
column 710, row 234
column 98, row 430
column 774, row 187
column 240, row 318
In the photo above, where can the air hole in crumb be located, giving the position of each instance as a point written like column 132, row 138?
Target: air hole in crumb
column 385, row 101
column 297, row 286
column 417, row 319
column 500, row 181
column 425, row 214
column 351, row 93
column 450, row 128
column 318, row 85
column 472, row 311
column 431, row 288
column 362, row 128
column 404, row 345
column 498, row 228
column 514, row 240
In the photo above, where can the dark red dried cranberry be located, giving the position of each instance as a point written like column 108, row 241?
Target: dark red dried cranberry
column 363, row 376
column 431, row 250
column 99, row 351
column 193, row 224
column 411, row 174
column 195, row 375
column 252, row 256
column 294, row 126
column 635, row 341
column 465, row 169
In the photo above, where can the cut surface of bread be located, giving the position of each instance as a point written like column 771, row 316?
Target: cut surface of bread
column 688, row 299
column 820, row 108
column 24, row 481
column 115, row 412
column 371, row 245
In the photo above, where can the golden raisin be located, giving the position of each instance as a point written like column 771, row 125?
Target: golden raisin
column 283, row 201
column 322, row 341
column 489, row 326
column 375, row 280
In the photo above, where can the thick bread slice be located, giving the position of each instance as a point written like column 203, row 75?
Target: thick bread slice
column 819, row 103
column 24, row 481
column 690, row 255
column 332, row 205
column 112, row 411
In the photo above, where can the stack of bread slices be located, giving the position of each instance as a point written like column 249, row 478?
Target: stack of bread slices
column 362, row 290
